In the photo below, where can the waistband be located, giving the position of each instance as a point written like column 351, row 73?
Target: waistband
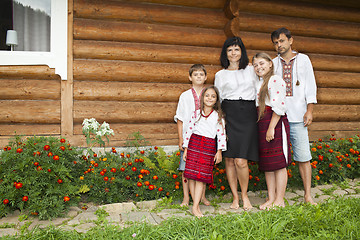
column 240, row 99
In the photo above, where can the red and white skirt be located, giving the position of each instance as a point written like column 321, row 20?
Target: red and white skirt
column 200, row 158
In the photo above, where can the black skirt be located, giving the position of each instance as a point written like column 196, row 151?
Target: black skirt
column 241, row 129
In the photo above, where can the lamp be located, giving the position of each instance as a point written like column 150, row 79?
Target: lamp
column 11, row 39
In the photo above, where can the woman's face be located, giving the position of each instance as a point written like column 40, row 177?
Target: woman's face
column 233, row 53
column 261, row 66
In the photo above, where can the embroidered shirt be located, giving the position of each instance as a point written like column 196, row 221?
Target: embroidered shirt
column 277, row 94
column 207, row 127
column 304, row 92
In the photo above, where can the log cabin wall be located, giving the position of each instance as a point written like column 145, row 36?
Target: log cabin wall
column 131, row 61
column 329, row 33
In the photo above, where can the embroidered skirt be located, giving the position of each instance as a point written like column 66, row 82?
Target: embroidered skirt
column 275, row 154
column 241, row 129
column 200, row 158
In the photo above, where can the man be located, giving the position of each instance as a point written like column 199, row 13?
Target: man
column 297, row 71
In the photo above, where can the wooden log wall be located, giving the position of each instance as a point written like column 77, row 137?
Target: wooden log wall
column 131, row 61
column 325, row 30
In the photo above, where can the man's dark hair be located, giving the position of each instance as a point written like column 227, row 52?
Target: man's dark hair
column 276, row 34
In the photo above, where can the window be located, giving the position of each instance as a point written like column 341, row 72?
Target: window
column 46, row 44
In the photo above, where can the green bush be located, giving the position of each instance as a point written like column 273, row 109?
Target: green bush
column 37, row 175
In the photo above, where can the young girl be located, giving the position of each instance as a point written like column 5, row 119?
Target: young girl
column 274, row 132
column 200, row 151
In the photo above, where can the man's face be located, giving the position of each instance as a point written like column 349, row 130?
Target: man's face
column 282, row 44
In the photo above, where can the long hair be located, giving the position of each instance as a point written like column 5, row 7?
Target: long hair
column 264, row 92
column 234, row 41
column 217, row 105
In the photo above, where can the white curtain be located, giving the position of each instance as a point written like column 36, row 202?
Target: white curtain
column 33, row 28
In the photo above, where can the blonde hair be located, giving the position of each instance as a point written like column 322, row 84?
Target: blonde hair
column 264, row 92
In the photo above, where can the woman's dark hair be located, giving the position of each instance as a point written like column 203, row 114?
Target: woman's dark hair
column 234, row 41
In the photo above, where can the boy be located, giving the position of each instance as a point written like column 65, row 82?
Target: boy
column 189, row 102
column 297, row 72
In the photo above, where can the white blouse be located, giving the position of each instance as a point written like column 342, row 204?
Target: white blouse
column 236, row 84
column 277, row 94
column 207, row 127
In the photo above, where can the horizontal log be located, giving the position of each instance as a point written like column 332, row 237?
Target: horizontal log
column 30, row 89
column 124, row 112
column 315, row 135
column 346, row 96
column 262, row 41
column 334, row 126
column 90, row 29
column 293, row 9
column 326, row 62
column 150, row 13
column 145, row 52
column 29, row 129
column 190, row 3
column 95, row 70
column 27, row 111
column 339, row 113
column 28, row 72
column 126, row 129
column 298, row 26
column 337, row 79
column 128, row 91
column 336, row 3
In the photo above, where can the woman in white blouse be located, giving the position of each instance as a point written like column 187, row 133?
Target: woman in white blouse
column 236, row 83
column 274, row 131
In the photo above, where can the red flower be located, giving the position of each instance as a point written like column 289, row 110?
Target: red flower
column 25, row 198
column 95, row 155
column 222, row 188
column 178, row 154
column 142, row 151
column 155, row 177
column 151, row 187
column 122, row 169
column 36, row 163
column 130, row 163
column 49, row 170
column 331, row 151
column 122, row 154
column 147, row 183
column 156, row 148
column 66, row 199
column 56, row 157
column 321, row 172
column 140, row 176
column 317, row 177
column 113, row 170
column 62, row 140
column 160, row 189
column 59, row 181
column 321, row 157
column 128, row 155
column 96, row 164
column 127, row 177
column 6, row 201
column 348, row 166
column 107, row 190
column 102, row 173
column 134, row 169
column 174, row 176
column 113, row 150
column 46, row 147
column 19, row 150
column 62, row 148
column 331, row 165
column 18, row 185
column 177, row 183
column 139, row 184
column 319, row 147
column 257, row 179
column 106, row 179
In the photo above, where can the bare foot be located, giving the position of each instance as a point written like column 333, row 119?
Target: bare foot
column 197, row 213
column 246, row 203
column 205, row 202
column 266, row 205
column 184, row 204
column 235, row 204
column 279, row 204
column 310, row 200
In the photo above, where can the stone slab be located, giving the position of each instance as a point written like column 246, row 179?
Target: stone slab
column 321, row 198
column 140, row 216
column 147, row 204
column 83, row 228
column 339, row 192
column 119, row 207
column 290, row 195
column 8, row 232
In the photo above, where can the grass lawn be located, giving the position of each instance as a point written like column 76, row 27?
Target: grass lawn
column 335, row 219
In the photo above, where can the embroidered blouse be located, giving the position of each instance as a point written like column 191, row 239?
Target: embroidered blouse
column 277, row 94
column 207, row 127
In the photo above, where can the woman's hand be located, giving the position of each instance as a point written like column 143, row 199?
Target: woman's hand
column 184, row 155
column 270, row 134
column 218, row 157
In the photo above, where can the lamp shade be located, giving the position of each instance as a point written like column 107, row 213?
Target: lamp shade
column 11, row 38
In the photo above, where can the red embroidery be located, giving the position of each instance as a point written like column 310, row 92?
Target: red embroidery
column 287, row 75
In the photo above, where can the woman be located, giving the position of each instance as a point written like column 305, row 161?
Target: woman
column 236, row 83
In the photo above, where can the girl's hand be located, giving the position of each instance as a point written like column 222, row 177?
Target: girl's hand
column 270, row 134
column 184, row 155
column 181, row 141
column 218, row 157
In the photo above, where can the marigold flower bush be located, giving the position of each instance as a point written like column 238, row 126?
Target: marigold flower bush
column 37, row 175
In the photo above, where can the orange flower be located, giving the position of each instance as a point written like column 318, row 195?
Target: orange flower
column 331, row 165
column 147, row 183
column 160, row 189
column 222, row 188
column 313, row 149
column 317, row 177
column 321, row 172
column 348, row 166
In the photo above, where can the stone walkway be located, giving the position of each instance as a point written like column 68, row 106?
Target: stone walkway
column 148, row 211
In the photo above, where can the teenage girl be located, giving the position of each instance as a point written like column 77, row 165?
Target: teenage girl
column 201, row 149
column 274, row 131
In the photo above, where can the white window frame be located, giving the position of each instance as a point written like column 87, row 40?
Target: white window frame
column 57, row 57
